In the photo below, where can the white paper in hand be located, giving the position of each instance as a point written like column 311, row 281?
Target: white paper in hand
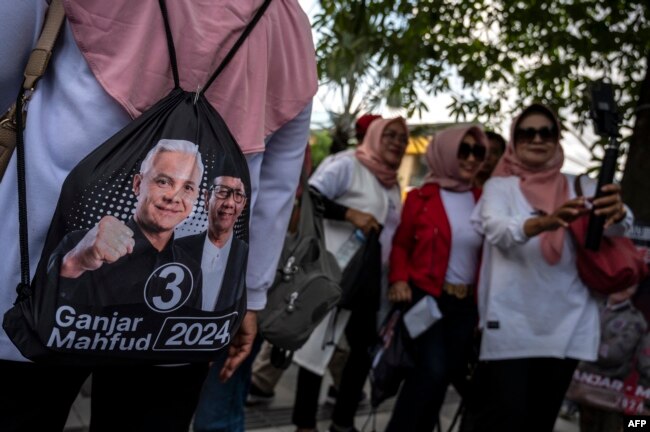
column 421, row 316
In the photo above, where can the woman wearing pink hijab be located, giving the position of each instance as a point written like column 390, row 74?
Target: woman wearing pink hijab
column 537, row 317
column 434, row 259
column 363, row 183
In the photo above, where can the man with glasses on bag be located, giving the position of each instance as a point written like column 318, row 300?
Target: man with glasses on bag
column 223, row 256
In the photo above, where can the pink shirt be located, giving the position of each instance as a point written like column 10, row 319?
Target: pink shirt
column 269, row 81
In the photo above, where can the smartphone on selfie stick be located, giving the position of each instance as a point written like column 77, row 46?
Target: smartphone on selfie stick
column 605, row 115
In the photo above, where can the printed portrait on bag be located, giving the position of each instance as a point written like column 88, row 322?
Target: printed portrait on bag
column 147, row 252
column 143, row 258
column 221, row 255
column 141, row 252
column 156, row 262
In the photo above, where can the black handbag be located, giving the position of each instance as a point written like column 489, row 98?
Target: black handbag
column 361, row 277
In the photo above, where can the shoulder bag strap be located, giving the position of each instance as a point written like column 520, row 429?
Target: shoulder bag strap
column 42, row 53
column 577, row 185
column 307, row 221
column 35, row 69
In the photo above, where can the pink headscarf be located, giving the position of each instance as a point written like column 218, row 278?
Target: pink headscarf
column 369, row 152
column 442, row 157
column 545, row 188
column 268, row 82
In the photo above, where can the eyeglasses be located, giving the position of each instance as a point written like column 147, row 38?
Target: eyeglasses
column 394, row 136
column 223, row 192
column 527, row 135
column 465, row 149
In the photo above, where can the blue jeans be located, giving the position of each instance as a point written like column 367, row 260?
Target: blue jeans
column 221, row 405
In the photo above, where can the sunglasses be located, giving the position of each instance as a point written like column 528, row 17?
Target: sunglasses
column 466, row 149
column 526, row 135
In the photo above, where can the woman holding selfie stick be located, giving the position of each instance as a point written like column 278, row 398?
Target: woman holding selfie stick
column 538, row 319
column 436, row 254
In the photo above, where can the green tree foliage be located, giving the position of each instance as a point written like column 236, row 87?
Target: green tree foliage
column 486, row 52
column 347, row 42
column 320, row 146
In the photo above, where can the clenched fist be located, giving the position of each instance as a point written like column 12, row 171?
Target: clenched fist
column 107, row 242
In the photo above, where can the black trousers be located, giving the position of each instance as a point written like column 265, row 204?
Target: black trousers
column 145, row 398
column 361, row 334
column 517, row 395
column 306, row 403
column 441, row 355
column 37, row 397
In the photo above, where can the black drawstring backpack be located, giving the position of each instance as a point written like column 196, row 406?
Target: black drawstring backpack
column 128, row 272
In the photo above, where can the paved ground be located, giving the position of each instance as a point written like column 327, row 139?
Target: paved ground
column 276, row 416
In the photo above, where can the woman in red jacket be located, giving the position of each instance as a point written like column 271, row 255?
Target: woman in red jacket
column 436, row 253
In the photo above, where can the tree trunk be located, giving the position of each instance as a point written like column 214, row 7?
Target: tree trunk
column 341, row 132
column 636, row 177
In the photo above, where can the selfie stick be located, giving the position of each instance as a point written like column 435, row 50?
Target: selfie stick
column 604, row 113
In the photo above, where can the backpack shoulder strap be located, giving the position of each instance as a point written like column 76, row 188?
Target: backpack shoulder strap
column 172, row 50
column 249, row 28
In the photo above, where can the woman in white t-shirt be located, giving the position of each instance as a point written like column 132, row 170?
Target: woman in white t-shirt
column 364, row 183
column 537, row 317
